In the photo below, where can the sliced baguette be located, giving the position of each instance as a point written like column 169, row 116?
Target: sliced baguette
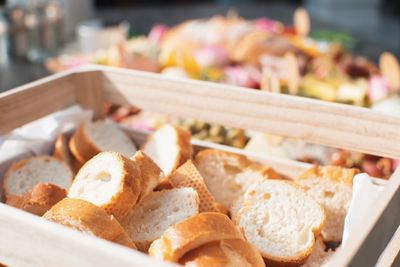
column 62, row 152
column 159, row 210
column 228, row 175
column 92, row 138
column 39, row 200
column 229, row 253
column 188, row 176
column 88, row 218
column 23, row 175
column 192, row 233
column 331, row 186
column 281, row 220
column 319, row 255
column 110, row 181
column 150, row 173
column 169, row 147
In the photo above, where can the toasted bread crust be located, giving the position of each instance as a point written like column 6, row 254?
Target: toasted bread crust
column 188, row 176
column 333, row 173
column 185, row 146
column 81, row 145
column 40, row 199
column 20, row 164
column 61, row 150
column 129, row 187
column 219, row 254
column 184, row 153
column 192, row 233
column 87, row 217
column 150, row 173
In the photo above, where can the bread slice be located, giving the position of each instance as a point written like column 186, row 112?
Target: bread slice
column 150, row 173
column 92, row 138
column 23, row 175
column 192, row 233
column 228, row 175
column 188, row 176
column 319, row 255
column 62, row 152
column 88, row 218
column 229, row 253
column 281, row 220
column 331, row 186
column 169, row 147
column 110, row 181
column 39, row 200
column 158, row 211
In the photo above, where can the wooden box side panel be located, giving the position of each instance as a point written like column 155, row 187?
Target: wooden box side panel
column 35, row 100
column 28, row 240
column 336, row 125
column 38, row 99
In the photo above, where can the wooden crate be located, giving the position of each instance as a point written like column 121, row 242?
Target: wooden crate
column 27, row 240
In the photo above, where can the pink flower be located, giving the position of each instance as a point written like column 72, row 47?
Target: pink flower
column 157, row 33
column 245, row 76
column 211, row 55
column 269, row 25
column 378, row 88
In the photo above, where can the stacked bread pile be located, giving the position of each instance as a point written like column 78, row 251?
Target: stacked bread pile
column 213, row 209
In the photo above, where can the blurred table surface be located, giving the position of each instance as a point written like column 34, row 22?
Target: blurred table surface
column 376, row 32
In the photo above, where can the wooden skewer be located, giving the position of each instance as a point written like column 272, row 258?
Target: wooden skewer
column 390, row 69
column 301, row 21
column 294, row 73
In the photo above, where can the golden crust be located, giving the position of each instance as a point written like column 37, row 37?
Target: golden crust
column 188, row 176
column 81, row 146
column 20, row 164
column 243, row 162
column 40, row 199
column 88, row 218
column 150, row 173
column 129, row 187
column 61, row 150
column 229, row 252
column 192, row 233
column 185, row 152
column 333, row 173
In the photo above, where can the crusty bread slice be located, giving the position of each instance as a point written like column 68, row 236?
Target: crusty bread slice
column 169, row 147
column 110, row 181
column 192, row 233
column 159, row 210
column 229, row 253
column 92, row 138
column 39, row 200
column 188, row 176
column 150, row 173
column 23, row 175
column 88, row 218
column 331, row 186
column 319, row 255
column 62, row 152
column 228, row 175
column 281, row 220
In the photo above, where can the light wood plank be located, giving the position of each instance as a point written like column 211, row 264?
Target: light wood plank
column 89, row 92
column 330, row 124
column 28, row 240
column 35, row 100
